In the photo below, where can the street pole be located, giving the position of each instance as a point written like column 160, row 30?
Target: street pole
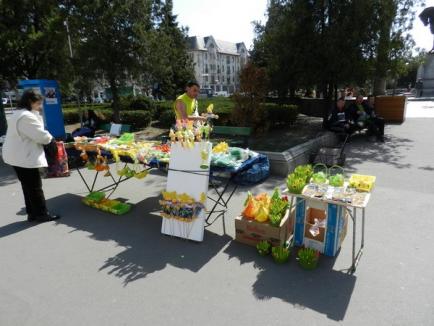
column 71, row 56
column 3, row 123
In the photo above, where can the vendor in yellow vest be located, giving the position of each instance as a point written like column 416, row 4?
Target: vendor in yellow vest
column 186, row 105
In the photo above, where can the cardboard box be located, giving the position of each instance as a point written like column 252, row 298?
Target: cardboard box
column 331, row 237
column 251, row 232
column 311, row 215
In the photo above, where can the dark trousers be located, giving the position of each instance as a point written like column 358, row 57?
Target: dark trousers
column 376, row 126
column 32, row 188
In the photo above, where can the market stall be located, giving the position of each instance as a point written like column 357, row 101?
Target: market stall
column 227, row 167
column 323, row 201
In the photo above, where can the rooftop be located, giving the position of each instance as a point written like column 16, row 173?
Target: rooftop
column 199, row 42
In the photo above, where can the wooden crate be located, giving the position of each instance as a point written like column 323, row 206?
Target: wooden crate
column 391, row 108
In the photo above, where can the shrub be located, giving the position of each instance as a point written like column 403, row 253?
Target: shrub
column 167, row 118
column 142, row 103
column 71, row 116
column 161, row 107
column 137, row 119
column 280, row 115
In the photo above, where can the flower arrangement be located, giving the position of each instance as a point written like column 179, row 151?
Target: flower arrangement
column 181, row 206
column 186, row 132
column 98, row 200
column 308, row 258
column 278, row 207
column 319, row 178
column 280, row 254
column 336, row 180
column 295, row 183
column 257, row 207
column 304, row 171
column 263, row 248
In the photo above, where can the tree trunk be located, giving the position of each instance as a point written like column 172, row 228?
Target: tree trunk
column 116, row 100
column 327, row 104
column 380, row 86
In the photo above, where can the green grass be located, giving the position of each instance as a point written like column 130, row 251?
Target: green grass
column 221, row 104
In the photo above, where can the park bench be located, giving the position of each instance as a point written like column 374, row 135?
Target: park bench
column 241, row 135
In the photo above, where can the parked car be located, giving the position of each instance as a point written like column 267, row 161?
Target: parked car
column 206, row 92
column 222, row 93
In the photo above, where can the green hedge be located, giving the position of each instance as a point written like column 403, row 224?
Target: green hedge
column 280, row 115
column 167, row 118
column 71, row 116
column 137, row 119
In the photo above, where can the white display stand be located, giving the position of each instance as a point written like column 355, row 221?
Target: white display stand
column 186, row 176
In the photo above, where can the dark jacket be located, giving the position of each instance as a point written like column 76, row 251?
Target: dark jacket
column 337, row 116
column 353, row 111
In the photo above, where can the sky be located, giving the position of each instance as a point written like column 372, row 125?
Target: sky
column 231, row 20
column 227, row 20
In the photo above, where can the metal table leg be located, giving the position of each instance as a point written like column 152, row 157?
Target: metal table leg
column 353, row 264
column 220, row 201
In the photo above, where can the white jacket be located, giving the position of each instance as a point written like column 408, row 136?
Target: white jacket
column 24, row 139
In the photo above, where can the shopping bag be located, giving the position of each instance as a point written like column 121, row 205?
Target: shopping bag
column 58, row 167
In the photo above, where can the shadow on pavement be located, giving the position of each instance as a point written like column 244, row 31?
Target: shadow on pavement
column 15, row 227
column 324, row 290
column 147, row 250
column 391, row 152
column 7, row 174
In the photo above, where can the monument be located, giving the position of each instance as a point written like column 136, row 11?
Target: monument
column 425, row 73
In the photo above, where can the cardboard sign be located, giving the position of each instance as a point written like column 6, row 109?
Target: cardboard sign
column 188, row 175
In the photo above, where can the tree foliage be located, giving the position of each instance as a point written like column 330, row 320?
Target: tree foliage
column 114, row 42
column 173, row 67
column 32, row 41
column 325, row 44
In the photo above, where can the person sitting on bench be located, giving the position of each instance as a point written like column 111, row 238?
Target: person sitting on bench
column 360, row 112
column 340, row 118
column 90, row 124
column 363, row 113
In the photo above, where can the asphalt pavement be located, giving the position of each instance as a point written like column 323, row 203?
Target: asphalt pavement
column 92, row 268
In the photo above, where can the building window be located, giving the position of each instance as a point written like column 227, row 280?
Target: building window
column 229, row 80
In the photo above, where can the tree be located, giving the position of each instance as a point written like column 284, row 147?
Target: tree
column 313, row 44
column 392, row 19
column 113, row 40
column 32, row 41
column 172, row 66
column 248, row 101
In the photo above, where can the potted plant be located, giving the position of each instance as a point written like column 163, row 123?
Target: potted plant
column 295, row 183
column 308, row 258
column 280, row 254
column 263, row 247
column 304, row 172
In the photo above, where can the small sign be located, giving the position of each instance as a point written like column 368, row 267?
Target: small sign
column 50, row 95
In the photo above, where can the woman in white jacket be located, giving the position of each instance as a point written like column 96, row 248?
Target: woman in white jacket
column 23, row 149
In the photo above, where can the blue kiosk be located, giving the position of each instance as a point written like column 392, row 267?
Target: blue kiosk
column 52, row 113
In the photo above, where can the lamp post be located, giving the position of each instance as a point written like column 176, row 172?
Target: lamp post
column 71, row 56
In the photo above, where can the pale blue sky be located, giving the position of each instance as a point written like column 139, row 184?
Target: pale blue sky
column 230, row 20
